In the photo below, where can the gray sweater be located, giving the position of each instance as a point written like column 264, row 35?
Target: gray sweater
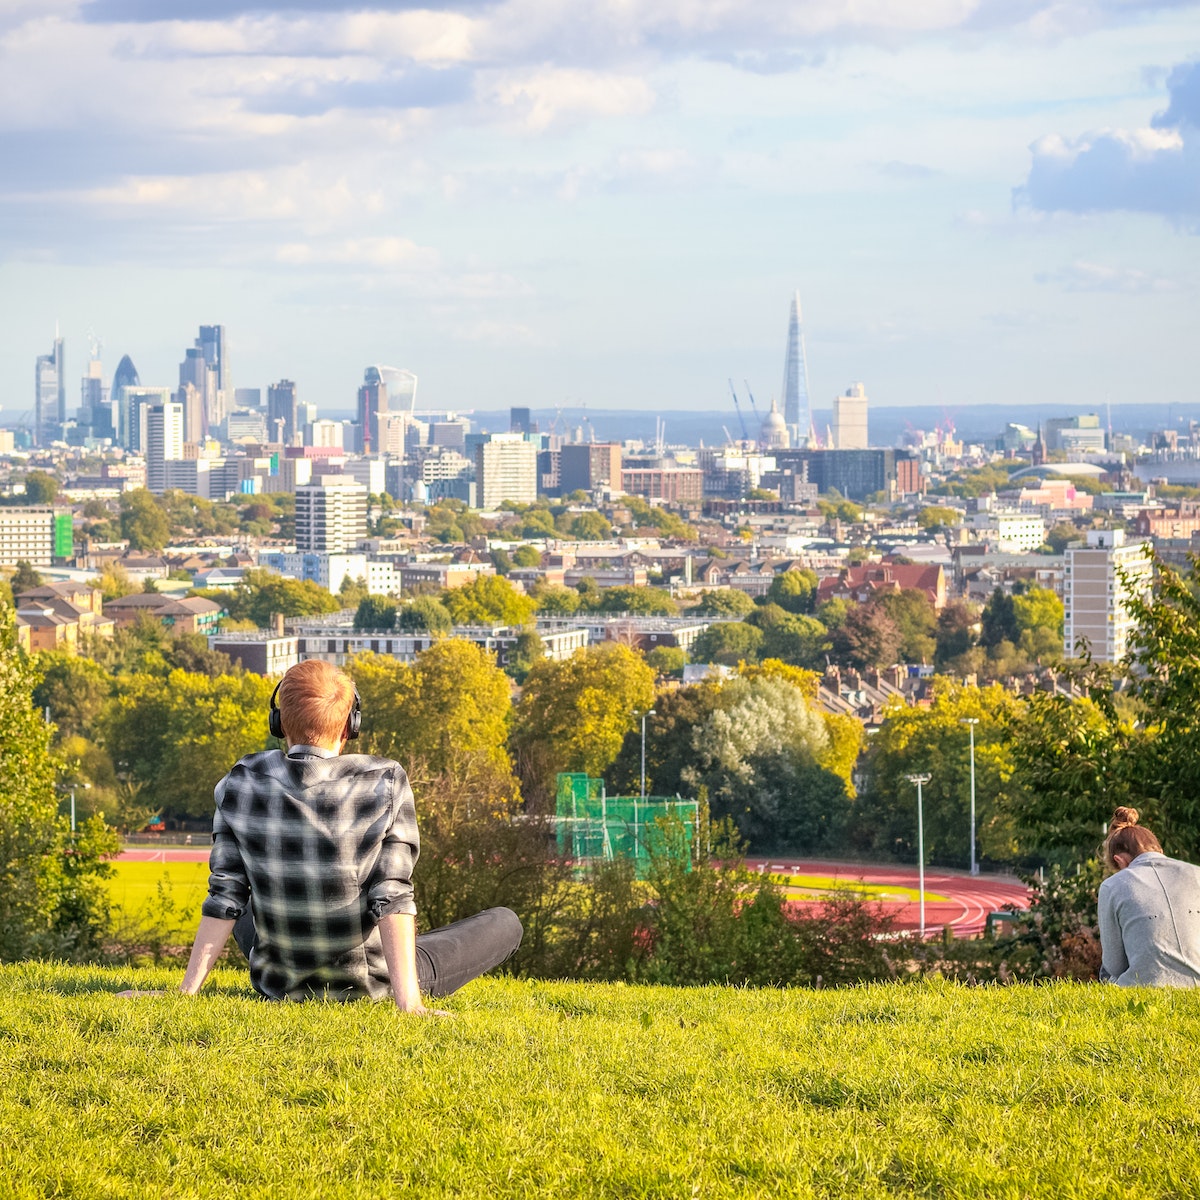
column 1150, row 923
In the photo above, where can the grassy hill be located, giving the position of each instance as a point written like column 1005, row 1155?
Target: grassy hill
column 567, row 1090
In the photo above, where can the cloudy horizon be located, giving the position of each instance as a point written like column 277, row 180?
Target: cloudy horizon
column 528, row 202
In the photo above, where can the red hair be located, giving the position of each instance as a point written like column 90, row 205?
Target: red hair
column 315, row 700
column 1126, row 836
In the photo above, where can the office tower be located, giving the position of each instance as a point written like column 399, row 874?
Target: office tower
column 135, row 402
column 191, row 402
column 196, row 371
column 50, row 395
column 282, row 421
column 1099, row 581
column 93, row 399
column 589, row 466
column 164, row 442
column 306, row 414
column 401, row 388
column 125, row 376
column 506, row 469
column 213, row 345
column 372, row 404
column 325, row 435
column 247, row 397
column 795, row 377
column 519, row 421
column 452, row 434
column 331, row 515
column 1081, row 433
column 850, row 419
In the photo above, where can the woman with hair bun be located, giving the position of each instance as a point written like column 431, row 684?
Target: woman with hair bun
column 1149, row 910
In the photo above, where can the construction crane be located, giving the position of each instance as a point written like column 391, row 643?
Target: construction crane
column 738, row 409
column 753, row 406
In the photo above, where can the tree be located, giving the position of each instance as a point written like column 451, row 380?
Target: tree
column 24, row 578
column 375, row 612
column 527, row 650
column 667, row 660
column 937, row 516
column 645, row 601
column 74, row 690
column 488, row 600
column 728, row 643
column 573, row 715
column 590, row 527
column 723, row 602
column 424, row 614
column 114, row 582
column 262, row 593
column 555, row 601
column 352, row 592
column 868, row 638
column 756, row 757
column 794, row 590
column 935, row 741
column 1061, row 536
column 797, row 639
column 1039, row 616
column 143, row 521
column 177, row 735
column 999, row 621
column 440, row 717
column 526, row 556
column 501, row 560
column 40, row 487
column 955, row 632
column 916, row 618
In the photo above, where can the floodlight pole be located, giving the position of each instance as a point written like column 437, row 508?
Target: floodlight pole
column 970, row 723
column 920, row 780
column 649, row 713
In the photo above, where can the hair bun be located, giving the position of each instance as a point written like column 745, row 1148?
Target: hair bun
column 1123, row 817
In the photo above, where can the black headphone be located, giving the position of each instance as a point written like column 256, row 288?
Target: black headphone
column 275, row 717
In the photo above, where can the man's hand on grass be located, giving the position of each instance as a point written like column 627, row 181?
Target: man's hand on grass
column 419, row 1010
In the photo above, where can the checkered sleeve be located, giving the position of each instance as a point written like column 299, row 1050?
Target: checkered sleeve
column 390, row 888
column 228, row 883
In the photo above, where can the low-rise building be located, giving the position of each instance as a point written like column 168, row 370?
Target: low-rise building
column 191, row 614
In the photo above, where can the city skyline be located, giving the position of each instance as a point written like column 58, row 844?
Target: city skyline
column 530, row 206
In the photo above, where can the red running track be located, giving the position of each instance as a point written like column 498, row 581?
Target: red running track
column 965, row 909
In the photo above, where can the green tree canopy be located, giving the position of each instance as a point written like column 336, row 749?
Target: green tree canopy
column 573, row 714
column 723, row 602
column 938, row 516
column 262, row 593
column 794, row 590
column 441, row 716
column 916, row 618
column 488, row 600
column 526, row 556
column 728, row 643
column 645, row 601
column 868, row 637
column 590, row 527
column 74, row 689
column 40, row 487
column 375, row 612
column 556, row 601
column 143, row 521
column 424, row 614
column 24, row 578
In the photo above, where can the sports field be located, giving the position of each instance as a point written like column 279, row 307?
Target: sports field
column 139, row 889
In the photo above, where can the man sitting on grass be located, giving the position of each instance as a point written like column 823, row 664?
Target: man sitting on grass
column 311, row 867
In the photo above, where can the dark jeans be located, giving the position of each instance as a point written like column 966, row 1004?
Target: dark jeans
column 447, row 957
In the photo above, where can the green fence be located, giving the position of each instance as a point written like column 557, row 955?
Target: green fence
column 593, row 825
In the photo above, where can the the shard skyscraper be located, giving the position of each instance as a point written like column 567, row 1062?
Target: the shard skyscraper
column 795, row 378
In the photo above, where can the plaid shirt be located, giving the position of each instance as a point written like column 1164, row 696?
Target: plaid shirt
column 320, row 846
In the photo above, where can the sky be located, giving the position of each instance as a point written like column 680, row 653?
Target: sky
column 608, row 202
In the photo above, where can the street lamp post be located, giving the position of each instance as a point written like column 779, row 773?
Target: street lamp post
column 646, row 714
column 970, row 723
column 920, row 780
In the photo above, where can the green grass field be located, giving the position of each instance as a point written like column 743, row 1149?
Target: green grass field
column 569, row 1090
column 134, row 891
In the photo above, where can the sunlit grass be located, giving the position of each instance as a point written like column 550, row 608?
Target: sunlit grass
column 814, row 887
column 585, row 1090
column 134, row 889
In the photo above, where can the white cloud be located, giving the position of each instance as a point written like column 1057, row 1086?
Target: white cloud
column 1084, row 276
column 541, row 98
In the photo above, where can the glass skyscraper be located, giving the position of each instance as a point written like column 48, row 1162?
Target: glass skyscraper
column 795, row 378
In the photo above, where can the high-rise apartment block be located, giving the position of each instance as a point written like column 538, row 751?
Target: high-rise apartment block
column 282, row 420
column 164, row 443
column 50, row 395
column 331, row 515
column 1100, row 579
column 506, row 469
column 850, row 419
column 590, row 465
column 36, row 534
